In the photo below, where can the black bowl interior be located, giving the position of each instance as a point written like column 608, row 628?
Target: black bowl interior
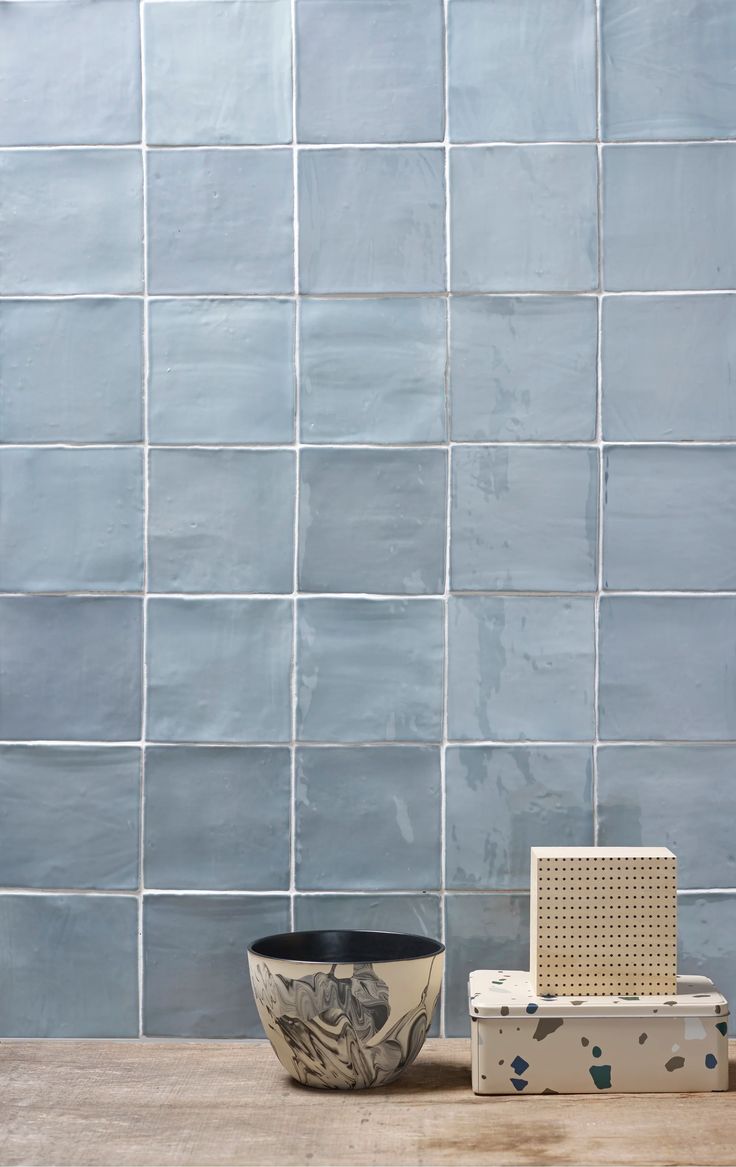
column 342, row 947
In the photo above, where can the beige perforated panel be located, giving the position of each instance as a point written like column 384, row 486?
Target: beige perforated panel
column 603, row 921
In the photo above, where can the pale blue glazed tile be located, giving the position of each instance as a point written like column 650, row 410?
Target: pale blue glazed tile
column 70, row 668
column 668, row 217
column 369, row 670
column 372, row 521
column 482, row 931
column 195, row 970
column 70, row 74
column 69, row 966
column 218, row 73
column 372, row 220
column 221, row 371
column 393, row 792
column 668, row 366
column 521, row 72
column 520, row 668
column 669, row 520
column 706, row 932
column 69, row 817
column 523, row 219
column 523, row 369
column 373, row 370
column 370, row 72
column 217, row 817
column 667, row 69
column 71, row 519
column 221, row 520
column 503, row 800
column 82, row 229
column 71, row 370
column 218, row 670
column 220, row 221
column 524, row 519
column 419, row 915
column 642, row 795
column 666, row 665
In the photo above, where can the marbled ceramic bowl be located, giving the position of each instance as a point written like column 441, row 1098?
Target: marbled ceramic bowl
column 346, row 1010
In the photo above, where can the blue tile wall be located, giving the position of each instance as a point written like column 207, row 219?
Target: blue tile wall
column 367, row 482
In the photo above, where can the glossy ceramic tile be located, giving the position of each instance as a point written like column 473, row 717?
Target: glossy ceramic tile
column 521, row 72
column 668, row 219
column 217, row 817
column 641, row 794
column 669, row 518
column 665, row 668
column 373, row 370
column 667, row 69
column 391, row 794
column 70, row 816
column 520, row 668
column 668, row 368
column 372, row 220
column 369, row 670
column 218, row 72
column 706, row 931
column 370, row 72
column 70, row 668
column 523, row 369
column 416, row 914
column 523, row 219
column 70, row 74
column 490, row 931
column 524, row 519
column 71, row 519
column 81, row 231
column 503, row 800
column 372, row 521
column 220, row 221
column 69, row 966
column 218, row 670
column 221, row 520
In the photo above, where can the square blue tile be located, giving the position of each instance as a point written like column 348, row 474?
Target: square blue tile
column 220, row 221
column 521, row 72
column 524, row 519
column 70, row 74
column 372, row 220
column 195, row 970
column 481, row 930
column 217, row 817
column 69, row 966
column 71, row 519
column 502, row 800
column 82, row 231
column 667, row 69
column 393, row 792
column 70, row 816
column 417, row 914
column 221, row 520
column 372, row 521
column 666, row 665
column 650, row 796
column 218, row 73
column 370, row 72
column 668, row 366
column 218, row 670
column 669, row 520
column 668, row 217
column 71, row 370
column 706, row 931
column 523, row 368
column 523, row 219
column 70, row 668
column 373, row 370
column 521, row 668
column 369, row 670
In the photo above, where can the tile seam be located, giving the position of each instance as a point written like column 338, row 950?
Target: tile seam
column 598, row 423
column 146, row 484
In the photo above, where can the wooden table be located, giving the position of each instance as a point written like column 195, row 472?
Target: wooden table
column 84, row 1102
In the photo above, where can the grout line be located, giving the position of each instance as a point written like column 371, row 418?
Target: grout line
column 379, row 597
column 423, row 744
column 418, row 294
column 448, row 501
column 317, row 147
column 312, row 893
column 297, row 471
column 599, row 427
column 272, row 447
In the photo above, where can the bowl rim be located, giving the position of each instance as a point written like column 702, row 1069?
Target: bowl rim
column 435, row 947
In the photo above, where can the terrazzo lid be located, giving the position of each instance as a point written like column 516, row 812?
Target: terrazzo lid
column 500, row 993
